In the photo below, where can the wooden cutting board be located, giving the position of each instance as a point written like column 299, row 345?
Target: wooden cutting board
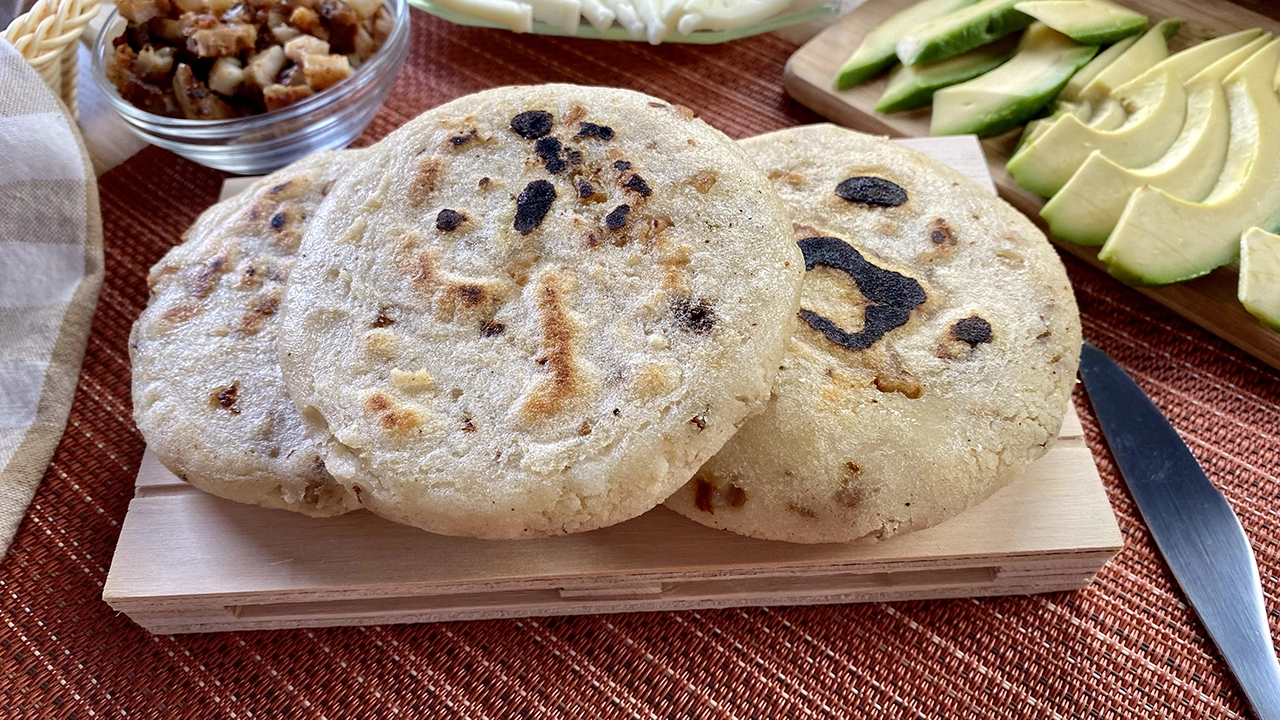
column 1209, row 302
column 187, row 561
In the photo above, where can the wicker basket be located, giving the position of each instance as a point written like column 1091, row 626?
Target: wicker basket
column 48, row 37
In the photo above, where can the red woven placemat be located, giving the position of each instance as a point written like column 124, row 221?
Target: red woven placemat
column 1127, row 647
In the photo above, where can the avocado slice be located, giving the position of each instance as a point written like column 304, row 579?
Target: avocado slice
column 1088, row 22
column 1087, row 208
column 1013, row 93
column 1086, row 74
column 878, row 50
column 961, row 31
column 913, row 86
column 1151, row 48
column 1156, row 103
column 1161, row 239
column 1259, row 288
column 1157, row 108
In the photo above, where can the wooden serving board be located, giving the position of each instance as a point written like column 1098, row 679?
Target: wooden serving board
column 1209, row 302
column 187, row 561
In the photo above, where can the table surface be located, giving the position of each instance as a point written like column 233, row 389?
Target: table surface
column 1126, row 647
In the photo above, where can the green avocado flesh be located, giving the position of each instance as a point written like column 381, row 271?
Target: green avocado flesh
column 1156, row 104
column 1162, row 239
column 1099, row 63
column 961, row 31
column 913, row 86
column 878, row 49
column 1088, row 22
column 1013, row 93
column 1151, row 48
column 1259, row 288
column 1087, row 208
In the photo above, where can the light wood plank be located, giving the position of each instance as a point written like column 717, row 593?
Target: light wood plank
column 1209, row 302
column 1051, row 529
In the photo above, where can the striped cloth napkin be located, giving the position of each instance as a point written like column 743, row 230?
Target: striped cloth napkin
column 50, row 273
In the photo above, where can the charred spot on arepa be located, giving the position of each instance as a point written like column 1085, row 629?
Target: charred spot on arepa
column 941, row 233
column 871, row 191
column 557, row 353
column 801, row 510
column 226, row 397
column 396, row 418
column 973, row 330
column 703, row 495
column 695, row 315
column 891, row 296
column 790, row 177
column 178, row 313
column 206, row 278
column 448, row 220
column 850, row 494
column 464, row 138
column 424, row 180
column 532, row 124
column 470, row 299
column 637, row 184
column 548, row 150
column 621, row 165
column 255, row 318
column 383, row 318
column 576, row 113
column 617, row 217
column 585, row 189
column 491, row 328
column 589, row 129
column 422, row 271
column 532, row 206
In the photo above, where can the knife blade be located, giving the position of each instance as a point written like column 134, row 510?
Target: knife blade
column 1193, row 525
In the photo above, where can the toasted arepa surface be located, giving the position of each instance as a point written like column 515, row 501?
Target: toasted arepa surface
column 207, row 392
column 537, row 310
column 937, row 345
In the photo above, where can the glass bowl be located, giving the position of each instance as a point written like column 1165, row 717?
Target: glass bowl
column 800, row 11
column 258, row 144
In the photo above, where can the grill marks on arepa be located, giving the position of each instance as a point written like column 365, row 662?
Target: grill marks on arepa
column 217, row 380
column 580, row 298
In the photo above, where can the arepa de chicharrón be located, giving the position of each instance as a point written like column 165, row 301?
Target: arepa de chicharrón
column 537, row 310
column 937, row 347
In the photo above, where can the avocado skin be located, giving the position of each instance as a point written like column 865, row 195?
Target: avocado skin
column 978, row 25
column 1089, row 22
column 1050, row 57
column 1015, row 114
column 913, row 86
column 878, row 52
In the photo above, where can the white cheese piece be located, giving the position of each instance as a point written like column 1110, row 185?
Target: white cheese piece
column 512, row 15
column 563, row 14
column 625, row 12
column 728, row 14
column 597, row 14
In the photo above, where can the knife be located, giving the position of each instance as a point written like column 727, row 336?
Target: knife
column 1194, row 527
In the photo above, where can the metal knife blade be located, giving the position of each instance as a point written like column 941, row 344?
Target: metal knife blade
column 1193, row 525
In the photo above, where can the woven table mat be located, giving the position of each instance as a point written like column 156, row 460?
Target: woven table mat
column 1127, row 647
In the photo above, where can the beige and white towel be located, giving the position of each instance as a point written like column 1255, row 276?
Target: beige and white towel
column 50, row 273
